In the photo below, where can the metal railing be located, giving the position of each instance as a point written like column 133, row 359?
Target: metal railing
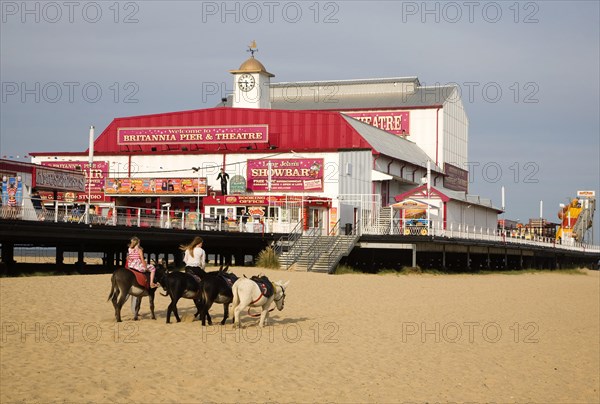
column 336, row 253
column 289, row 240
column 315, row 246
column 311, row 235
column 422, row 227
column 111, row 215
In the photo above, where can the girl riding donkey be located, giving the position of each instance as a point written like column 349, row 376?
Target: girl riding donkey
column 194, row 257
column 213, row 287
column 136, row 261
column 186, row 285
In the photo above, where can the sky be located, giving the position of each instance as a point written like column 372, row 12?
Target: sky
column 528, row 73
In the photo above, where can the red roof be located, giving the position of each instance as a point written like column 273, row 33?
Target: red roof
column 288, row 130
column 421, row 192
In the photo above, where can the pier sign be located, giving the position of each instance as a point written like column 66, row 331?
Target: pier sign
column 193, row 135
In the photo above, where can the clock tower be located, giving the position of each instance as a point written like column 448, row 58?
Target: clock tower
column 251, row 83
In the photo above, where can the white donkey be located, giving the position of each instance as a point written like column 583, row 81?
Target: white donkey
column 247, row 293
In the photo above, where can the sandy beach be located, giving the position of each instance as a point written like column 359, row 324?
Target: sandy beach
column 343, row 338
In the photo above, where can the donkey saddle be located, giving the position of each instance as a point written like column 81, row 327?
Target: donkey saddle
column 265, row 285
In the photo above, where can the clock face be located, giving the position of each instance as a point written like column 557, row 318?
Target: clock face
column 246, row 82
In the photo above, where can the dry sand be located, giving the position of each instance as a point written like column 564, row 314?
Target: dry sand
column 346, row 338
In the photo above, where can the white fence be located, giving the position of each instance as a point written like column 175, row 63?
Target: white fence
column 421, row 227
column 111, row 215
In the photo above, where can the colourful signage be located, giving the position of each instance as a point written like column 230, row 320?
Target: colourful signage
column 396, row 122
column 99, row 170
column 12, row 191
column 248, row 200
column 194, row 134
column 285, row 175
column 73, row 197
column 155, row 186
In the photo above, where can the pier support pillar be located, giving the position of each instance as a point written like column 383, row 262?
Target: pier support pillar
column 80, row 258
column 468, row 258
column 60, row 255
column 444, row 257
column 8, row 254
column 520, row 259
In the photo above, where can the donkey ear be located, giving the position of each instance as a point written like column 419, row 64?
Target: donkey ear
column 285, row 285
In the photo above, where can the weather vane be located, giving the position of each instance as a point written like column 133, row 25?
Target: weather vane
column 252, row 48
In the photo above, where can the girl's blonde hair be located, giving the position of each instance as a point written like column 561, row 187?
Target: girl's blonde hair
column 134, row 242
column 197, row 240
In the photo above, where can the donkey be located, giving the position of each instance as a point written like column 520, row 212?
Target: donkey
column 187, row 285
column 248, row 293
column 216, row 288
column 180, row 285
column 124, row 283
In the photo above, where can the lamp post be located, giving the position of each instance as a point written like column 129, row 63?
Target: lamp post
column 197, row 170
column 541, row 218
column 91, row 162
column 428, row 196
column 503, row 213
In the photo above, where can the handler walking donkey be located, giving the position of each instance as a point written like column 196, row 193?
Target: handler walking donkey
column 254, row 293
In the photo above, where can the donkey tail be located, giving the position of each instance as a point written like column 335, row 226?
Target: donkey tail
column 235, row 302
column 113, row 288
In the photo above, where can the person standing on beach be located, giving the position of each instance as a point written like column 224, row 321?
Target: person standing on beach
column 136, row 261
column 194, row 257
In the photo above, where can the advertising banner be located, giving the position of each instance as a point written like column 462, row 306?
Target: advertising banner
column 246, row 200
column 155, row 186
column 194, row 134
column 285, row 175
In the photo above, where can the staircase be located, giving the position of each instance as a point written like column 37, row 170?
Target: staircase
column 384, row 220
column 293, row 254
column 317, row 253
column 336, row 247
